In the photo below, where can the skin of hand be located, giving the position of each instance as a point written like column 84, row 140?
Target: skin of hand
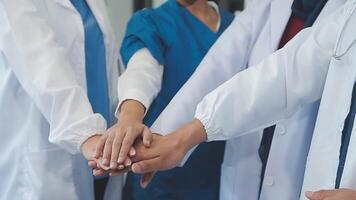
column 166, row 152
column 115, row 146
column 339, row 194
column 88, row 147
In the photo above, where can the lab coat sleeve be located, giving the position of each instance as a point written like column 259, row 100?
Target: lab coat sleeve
column 142, row 79
column 44, row 72
column 271, row 91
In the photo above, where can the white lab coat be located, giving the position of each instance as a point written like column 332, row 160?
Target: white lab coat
column 43, row 98
column 286, row 81
column 254, row 34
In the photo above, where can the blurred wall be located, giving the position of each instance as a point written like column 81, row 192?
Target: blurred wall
column 120, row 12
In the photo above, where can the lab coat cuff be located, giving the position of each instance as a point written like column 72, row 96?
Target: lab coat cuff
column 213, row 132
column 73, row 138
column 136, row 95
column 98, row 127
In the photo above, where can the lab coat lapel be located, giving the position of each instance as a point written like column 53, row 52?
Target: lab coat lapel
column 347, row 47
column 279, row 19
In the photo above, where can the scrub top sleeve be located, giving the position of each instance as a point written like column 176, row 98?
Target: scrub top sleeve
column 142, row 32
column 271, row 91
column 44, row 72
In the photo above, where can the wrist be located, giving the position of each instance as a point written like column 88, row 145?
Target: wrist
column 192, row 134
column 131, row 111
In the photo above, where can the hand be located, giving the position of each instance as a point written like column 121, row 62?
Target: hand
column 166, row 152
column 88, row 147
column 340, row 194
column 99, row 171
column 117, row 143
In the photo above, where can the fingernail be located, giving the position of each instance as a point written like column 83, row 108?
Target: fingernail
column 132, row 152
column 105, row 162
column 120, row 160
column 309, row 194
column 112, row 165
column 128, row 163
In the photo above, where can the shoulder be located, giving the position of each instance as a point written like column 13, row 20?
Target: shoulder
column 163, row 15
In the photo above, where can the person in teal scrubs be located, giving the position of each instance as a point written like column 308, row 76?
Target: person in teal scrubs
column 177, row 39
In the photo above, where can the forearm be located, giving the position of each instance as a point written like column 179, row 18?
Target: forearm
column 142, row 80
column 131, row 110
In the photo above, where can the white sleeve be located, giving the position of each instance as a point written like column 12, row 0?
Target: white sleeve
column 44, row 72
column 225, row 58
column 142, row 79
column 271, row 91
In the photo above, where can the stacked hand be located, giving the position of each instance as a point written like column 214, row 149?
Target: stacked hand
column 130, row 145
column 340, row 194
column 135, row 148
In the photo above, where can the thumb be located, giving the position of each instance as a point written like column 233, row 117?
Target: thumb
column 146, row 166
column 146, row 179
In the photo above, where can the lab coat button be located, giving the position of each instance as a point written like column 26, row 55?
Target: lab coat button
column 281, row 130
column 269, row 181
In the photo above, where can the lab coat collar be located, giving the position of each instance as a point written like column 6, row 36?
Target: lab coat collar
column 280, row 17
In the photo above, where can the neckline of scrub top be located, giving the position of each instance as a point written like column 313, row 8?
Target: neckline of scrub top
column 216, row 8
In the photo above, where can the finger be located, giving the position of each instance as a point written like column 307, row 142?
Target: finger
column 126, row 145
column 101, row 166
column 92, row 164
column 147, row 136
column 146, row 166
column 116, row 149
column 107, row 150
column 319, row 195
column 144, row 153
column 98, row 172
column 146, row 179
column 100, row 146
column 132, row 152
column 127, row 162
column 121, row 167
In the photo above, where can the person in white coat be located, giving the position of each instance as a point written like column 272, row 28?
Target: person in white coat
column 256, row 32
column 47, row 111
column 319, row 63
